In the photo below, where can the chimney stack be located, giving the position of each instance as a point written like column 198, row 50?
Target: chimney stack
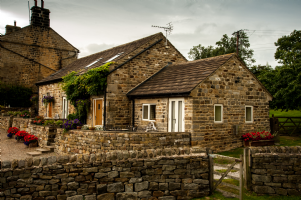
column 10, row 29
column 40, row 15
column 35, row 3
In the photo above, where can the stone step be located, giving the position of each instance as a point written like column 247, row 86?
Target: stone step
column 51, row 148
column 34, row 153
column 51, row 144
column 43, row 150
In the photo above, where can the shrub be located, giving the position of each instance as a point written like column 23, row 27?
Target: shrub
column 15, row 95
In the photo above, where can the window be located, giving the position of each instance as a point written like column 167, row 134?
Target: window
column 218, row 113
column 93, row 62
column 149, row 112
column 249, row 114
column 114, row 57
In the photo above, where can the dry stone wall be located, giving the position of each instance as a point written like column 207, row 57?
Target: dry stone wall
column 87, row 142
column 119, row 175
column 276, row 170
column 223, row 87
column 6, row 122
column 21, row 123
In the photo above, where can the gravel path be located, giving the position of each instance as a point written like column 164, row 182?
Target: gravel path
column 11, row 149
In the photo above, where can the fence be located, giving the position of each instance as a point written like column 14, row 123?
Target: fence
column 285, row 125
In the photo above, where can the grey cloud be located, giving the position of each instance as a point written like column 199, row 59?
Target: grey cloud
column 94, row 48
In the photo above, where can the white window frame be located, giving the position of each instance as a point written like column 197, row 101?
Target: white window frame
column 148, row 107
column 63, row 108
column 252, row 119
column 222, row 113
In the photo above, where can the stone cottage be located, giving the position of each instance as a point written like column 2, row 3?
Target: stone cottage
column 215, row 99
column 134, row 62
column 31, row 53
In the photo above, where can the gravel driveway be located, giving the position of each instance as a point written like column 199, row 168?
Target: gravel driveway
column 11, row 149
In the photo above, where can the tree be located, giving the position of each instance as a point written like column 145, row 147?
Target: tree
column 224, row 46
column 284, row 82
column 261, row 69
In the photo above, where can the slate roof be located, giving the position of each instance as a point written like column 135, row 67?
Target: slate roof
column 179, row 78
column 105, row 55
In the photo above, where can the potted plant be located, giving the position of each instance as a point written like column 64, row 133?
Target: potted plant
column 263, row 138
column 47, row 99
column 31, row 140
column 58, row 123
column 38, row 120
column 49, row 122
column 20, row 135
column 25, row 114
column 71, row 124
column 92, row 128
column 12, row 131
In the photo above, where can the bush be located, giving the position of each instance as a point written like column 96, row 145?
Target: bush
column 72, row 116
column 15, row 95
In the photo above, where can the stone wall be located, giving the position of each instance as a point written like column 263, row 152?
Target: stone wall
column 33, row 53
column 87, row 142
column 221, row 88
column 21, row 123
column 121, row 176
column 6, row 122
column 276, row 170
column 56, row 91
column 133, row 73
column 45, row 134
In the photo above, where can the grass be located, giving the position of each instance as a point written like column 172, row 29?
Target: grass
column 222, row 161
column 290, row 113
column 247, row 195
column 290, row 141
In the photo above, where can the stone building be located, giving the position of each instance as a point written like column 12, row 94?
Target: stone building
column 215, row 99
column 31, row 53
column 134, row 62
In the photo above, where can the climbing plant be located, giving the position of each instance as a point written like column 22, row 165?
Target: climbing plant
column 79, row 88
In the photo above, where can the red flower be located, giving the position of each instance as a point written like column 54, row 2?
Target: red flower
column 21, row 134
column 13, row 130
column 30, row 138
column 264, row 135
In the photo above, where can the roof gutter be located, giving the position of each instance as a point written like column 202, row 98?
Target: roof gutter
column 159, row 95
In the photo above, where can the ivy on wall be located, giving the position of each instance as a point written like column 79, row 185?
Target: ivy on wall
column 79, row 88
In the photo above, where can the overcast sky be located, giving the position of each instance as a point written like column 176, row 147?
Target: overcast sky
column 95, row 25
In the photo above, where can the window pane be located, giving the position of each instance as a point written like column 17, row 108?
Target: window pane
column 180, row 116
column 218, row 113
column 152, row 112
column 173, row 116
column 145, row 112
column 248, row 114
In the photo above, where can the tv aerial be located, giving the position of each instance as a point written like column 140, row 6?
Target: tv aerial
column 167, row 29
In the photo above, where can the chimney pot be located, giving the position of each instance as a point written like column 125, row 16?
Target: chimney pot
column 42, row 3
column 35, row 2
column 15, row 23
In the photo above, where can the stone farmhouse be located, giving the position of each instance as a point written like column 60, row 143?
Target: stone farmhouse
column 215, row 99
column 31, row 53
column 134, row 62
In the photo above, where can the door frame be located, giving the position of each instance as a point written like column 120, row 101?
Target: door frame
column 176, row 113
column 94, row 111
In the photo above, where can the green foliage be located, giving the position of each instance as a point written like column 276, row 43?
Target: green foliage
column 82, row 86
column 25, row 112
column 58, row 122
column 48, row 122
column 225, row 46
column 72, row 116
column 284, row 82
column 15, row 95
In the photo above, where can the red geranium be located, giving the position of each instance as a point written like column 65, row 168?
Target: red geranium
column 254, row 136
column 30, row 138
column 13, row 130
column 21, row 134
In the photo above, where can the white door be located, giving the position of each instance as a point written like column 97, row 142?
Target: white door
column 65, row 108
column 176, row 115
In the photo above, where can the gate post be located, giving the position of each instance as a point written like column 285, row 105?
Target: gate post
column 241, row 177
column 209, row 151
column 247, row 170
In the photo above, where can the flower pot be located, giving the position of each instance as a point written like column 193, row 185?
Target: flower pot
column 10, row 135
column 33, row 144
column 79, row 127
column 92, row 128
column 259, row 143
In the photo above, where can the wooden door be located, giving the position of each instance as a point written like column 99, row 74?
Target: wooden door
column 50, row 109
column 98, row 112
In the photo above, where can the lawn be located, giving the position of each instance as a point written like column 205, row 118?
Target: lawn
column 289, row 113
